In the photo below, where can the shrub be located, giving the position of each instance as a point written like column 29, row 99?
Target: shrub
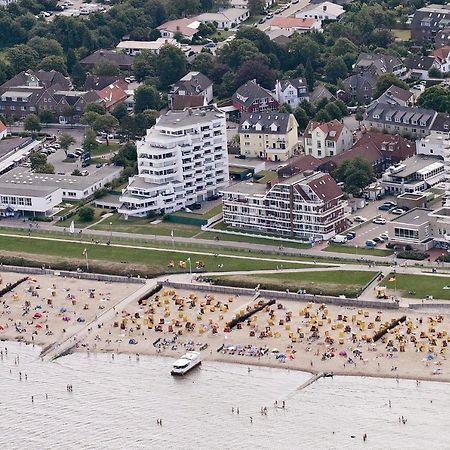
column 413, row 254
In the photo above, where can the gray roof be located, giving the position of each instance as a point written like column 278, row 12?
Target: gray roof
column 21, row 176
column 416, row 163
column 431, row 14
column 249, row 92
column 384, row 111
column 26, row 190
column 416, row 216
column 246, row 187
column 441, row 122
column 266, row 120
column 378, row 62
column 193, row 83
column 191, row 116
column 320, row 92
column 420, row 62
column 297, row 83
column 395, row 95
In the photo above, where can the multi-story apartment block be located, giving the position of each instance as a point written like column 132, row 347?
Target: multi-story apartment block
column 323, row 139
column 302, row 206
column 251, row 97
column 429, row 21
column 182, row 159
column 272, row 136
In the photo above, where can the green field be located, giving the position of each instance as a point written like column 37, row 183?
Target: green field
column 98, row 213
column 350, row 249
column 419, row 286
column 402, row 35
column 103, row 149
column 332, row 282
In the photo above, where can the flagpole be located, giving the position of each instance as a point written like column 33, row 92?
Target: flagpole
column 190, row 266
column 87, row 261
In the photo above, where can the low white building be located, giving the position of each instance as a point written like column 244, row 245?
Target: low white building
column 227, row 18
column 133, row 48
column 291, row 92
column 435, row 144
column 323, row 139
column 415, row 174
column 23, row 199
column 321, row 11
column 183, row 159
column 3, row 130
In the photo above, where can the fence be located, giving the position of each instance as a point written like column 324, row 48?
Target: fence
column 340, row 301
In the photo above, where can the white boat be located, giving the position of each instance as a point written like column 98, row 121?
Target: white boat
column 186, row 363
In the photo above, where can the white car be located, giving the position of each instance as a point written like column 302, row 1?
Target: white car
column 385, row 236
column 359, row 219
column 379, row 221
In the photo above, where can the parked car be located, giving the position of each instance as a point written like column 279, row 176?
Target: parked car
column 85, row 173
column 371, row 243
column 385, row 207
column 398, row 211
column 339, row 239
column 384, row 235
column 350, row 235
column 213, row 197
column 379, row 221
column 210, row 45
column 359, row 219
column 195, row 206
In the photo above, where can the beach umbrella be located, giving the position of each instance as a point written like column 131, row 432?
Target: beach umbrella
column 38, row 325
column 37, row 315
column 275, row 350
column 66, row 319
column 342, row 353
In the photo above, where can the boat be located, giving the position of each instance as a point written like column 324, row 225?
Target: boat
column 186, row 363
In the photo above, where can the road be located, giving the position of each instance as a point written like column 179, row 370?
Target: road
column 291, row 11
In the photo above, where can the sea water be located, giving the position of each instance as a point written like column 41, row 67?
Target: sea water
column 115, row 404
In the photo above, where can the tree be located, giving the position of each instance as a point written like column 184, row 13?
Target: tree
column 32, row 123
column 95, row 107
column 120, row 111
column 333, row 111
column 22, row 57
column 53, row 63
column 146, row 97
column 359, row 115
column 310, row 77
column 66, row 140
column 343, row 46
column 46, row 168
column 335, row 69
column 45, row 47
column 86, row 214
column 256, row 70
column 89, row 118
column 46, row 116
column 355, row 173
column 256, row 7
column 386, row 81
column 105, row 68
column 435, row 97
column 89, row 142
column 37, row 160
column 105, row 124
column 301, row 117
column 172, row 65
column 76, row 173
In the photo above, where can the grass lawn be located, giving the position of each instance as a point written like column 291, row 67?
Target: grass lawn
column 154, row 260
column 333, row 282
column 221, row 35
column 402, row 35
column 99, row 212
column 103, row 149
column 144, row 226
column 351, row 249
column 420, row 286
column 207, row 215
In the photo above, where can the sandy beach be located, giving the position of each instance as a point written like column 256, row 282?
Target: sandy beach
column 288, row 334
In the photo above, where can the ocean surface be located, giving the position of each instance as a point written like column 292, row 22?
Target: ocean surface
column 115, row 404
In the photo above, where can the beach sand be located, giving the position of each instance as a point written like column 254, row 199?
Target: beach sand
column 54, row 304
column 332, row 339
column 291, row 334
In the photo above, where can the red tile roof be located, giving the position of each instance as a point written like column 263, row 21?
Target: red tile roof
column 114, row 93
column 2, row 127
column 292, row 22
column 325, row 187
column 180, row 102
column 332, row 129
column 441, row 53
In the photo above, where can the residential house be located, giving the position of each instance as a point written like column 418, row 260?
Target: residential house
column 381, row 150
column 442, row 55
column 268, row 135
column 193, row 83
column 181, row 102
column 5, row 3
column 186, row 27
column 442, row 38
column 291, row 92
column 321, row 11
column 279, row 36
column 112, row 95
column 293, row 24
column 395, row 95
column 99, row 82
column 379, row 64
column 396, row 119
column 251, row 97
column 117, row 58
column 441, row 124
column 226, row 19
column 320, row 92
column 324, row 139
column 435, row 144
column 133, row 48
column 3, row 130
column 300, row 207
column 415, row 174
column 182, row 159
column 419, row 66
column 299, row 164
column 243, row 4
column 428, row 22
column 359, row 87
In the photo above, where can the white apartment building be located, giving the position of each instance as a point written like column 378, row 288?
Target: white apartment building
column 321, row 11
column 302, row 206
column 183, row 159
column 133, row 48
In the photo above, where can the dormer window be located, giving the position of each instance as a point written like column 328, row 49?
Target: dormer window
column 376, row 116
column 445, row 127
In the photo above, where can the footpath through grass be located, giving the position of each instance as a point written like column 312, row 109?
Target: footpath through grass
column 155, row 260
column 350, row 249
column 330, row 282
column 419, row 286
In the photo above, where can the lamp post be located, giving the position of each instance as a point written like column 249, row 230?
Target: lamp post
column 110, row 232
